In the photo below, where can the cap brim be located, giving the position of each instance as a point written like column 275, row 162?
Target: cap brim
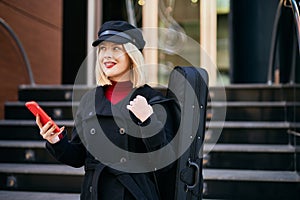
column 110, row 38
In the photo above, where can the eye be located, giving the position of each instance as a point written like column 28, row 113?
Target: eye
column 118, row 48
column 102, row 47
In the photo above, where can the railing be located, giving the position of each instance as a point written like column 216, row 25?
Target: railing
column 294, row 5
column 24, row 55
column 293, row 130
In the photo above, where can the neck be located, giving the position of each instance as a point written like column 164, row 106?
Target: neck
column 117, row 91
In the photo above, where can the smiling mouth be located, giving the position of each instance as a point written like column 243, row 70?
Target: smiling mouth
column 109, row 64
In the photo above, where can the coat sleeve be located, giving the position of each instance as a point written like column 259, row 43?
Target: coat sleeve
column 71, row 152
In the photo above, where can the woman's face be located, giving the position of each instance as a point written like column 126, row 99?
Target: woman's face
column 114, row 61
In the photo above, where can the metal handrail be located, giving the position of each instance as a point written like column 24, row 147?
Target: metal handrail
column 274, row 41
column 295, row 10
column 22, row 50
column 297, row 20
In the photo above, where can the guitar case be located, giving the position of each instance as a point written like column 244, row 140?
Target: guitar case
column 184, row 180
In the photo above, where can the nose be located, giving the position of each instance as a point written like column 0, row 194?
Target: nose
column 108, row 53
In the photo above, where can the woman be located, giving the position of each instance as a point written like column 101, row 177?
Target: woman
column 133, row 116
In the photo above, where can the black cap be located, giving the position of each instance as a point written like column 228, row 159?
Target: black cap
column 120, row 32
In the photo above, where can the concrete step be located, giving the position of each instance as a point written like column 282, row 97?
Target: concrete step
column 231, row 156
column 222, row 132
column 254, row 111
column 254, row 132
column 51, row 92
column 56, row 92
column 251, row 184
column 233, row 92
column 24, row 151
column 256, row 92
column 27, row 129
column 249, row 156
column 40, row 177
column 218, row 183
column 235, row 111
column 251, row 175
column 56, row 110
column 21, row 195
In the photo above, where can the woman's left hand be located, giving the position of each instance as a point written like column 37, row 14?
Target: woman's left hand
column 140, row 108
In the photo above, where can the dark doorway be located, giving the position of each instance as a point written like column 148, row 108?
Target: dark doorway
column 251, row 24
column 74, row 38
column 117, row 10
column 75, row 28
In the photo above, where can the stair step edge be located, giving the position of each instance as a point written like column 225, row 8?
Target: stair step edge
column 44, row 103
column 209, row 104
column 265, row 148
column 250, row 175
column 51, row 169
column 21, row 144
column 259, row 148
column 247, row 124
column 28, row 122
column 19, row 195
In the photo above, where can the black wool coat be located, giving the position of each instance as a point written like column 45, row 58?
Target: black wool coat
column 105, row 139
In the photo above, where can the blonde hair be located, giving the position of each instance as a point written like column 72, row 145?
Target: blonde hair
column 137, row 76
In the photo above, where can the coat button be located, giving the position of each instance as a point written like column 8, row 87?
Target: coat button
column 92, row 131
column 122, row 160
column 122, row 131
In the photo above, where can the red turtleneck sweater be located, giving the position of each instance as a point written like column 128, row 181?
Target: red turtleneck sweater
column 117, row 91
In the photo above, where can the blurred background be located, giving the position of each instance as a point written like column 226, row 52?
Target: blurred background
column 56, row 37
column 250, row 49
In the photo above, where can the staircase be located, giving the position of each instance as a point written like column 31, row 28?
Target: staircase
column 255, row 157
column 27, row 170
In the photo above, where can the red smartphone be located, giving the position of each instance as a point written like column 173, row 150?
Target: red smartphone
column 36, row 109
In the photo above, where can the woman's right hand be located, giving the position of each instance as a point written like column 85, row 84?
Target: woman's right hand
column 47, row 131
